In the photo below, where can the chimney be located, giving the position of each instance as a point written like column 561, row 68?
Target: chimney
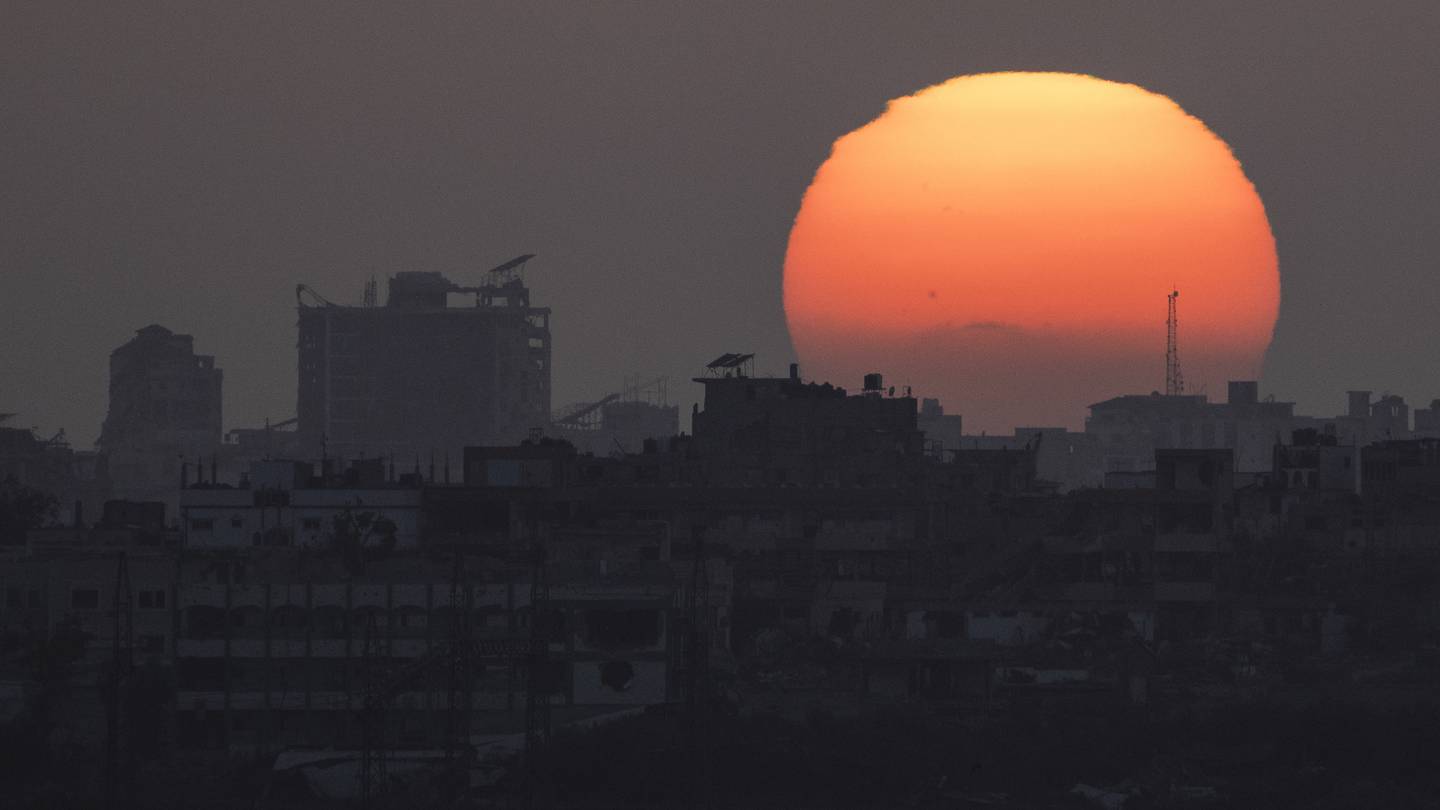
column 795, row 372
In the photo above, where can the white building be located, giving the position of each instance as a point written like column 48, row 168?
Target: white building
column 280, row 504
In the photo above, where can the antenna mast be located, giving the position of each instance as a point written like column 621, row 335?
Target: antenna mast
column 1174, row 380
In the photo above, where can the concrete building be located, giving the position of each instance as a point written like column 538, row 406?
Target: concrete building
column 786, row 432
column 283, row 503
column 165, row 406
column 1427, row 421
column 75, row 477
column 1366, row 421
column 438, row 367
column 619, row 423
column 943, row 432
column 1062, row 456
column 1317, row 461
column 1127, row 430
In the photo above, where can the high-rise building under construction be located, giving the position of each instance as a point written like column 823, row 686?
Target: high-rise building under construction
column 438, row 367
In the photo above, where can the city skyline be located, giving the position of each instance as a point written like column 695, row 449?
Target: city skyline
column 657, row 189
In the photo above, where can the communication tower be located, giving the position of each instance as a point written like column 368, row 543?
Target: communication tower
column 1174, row 380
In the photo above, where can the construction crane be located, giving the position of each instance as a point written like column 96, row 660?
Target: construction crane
column 316, row 299
column 1174, row 380
column 509, row 270
column 574, row 416
column 583, row 414
column 504, row 283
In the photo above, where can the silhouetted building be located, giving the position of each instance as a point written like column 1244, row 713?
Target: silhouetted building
column 621, row 422
column 1316, row 460
column 942, row 431
column 1062, row 456
column 165, row 406
column 783, row 431
column 1364, row 422
column 440, row 366
column 1127, row 430
column 1427, row 421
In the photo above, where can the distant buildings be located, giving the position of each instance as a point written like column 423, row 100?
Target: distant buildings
column 165, row 407
column 943, row 431
column 1127, row 430
column 622, row 422
column 438, row 367
column 416, row 523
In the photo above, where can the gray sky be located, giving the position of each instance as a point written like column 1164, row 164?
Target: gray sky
column 187, row 163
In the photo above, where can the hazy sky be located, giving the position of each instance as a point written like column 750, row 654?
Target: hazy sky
column 188, row 163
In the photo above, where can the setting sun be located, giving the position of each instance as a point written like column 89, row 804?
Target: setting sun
column 1006, row 242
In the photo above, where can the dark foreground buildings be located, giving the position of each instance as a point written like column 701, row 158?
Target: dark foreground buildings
column 803, row 551
column 430, row 576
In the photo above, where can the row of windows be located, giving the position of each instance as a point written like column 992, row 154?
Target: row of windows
column 89, row 599
column 237, row 522
column 208, row 524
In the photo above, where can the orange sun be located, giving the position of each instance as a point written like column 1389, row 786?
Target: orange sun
column 1006, row 242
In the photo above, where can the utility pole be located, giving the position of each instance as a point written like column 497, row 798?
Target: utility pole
column 1174, row 380
column 373, row 710
column 119, row 777
column 697, row 672
column 457, row 744
column 537, row 695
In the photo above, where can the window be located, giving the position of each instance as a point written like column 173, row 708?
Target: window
column 310, row 524
column 152, row 600
column 201, row 524
column 85, row 599
column 152, row 644
column 237, row 522
column 14, row 599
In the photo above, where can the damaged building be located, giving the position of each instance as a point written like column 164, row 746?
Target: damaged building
column 165, row 407
column 437, row 367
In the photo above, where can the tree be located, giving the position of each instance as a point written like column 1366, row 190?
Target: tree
column 23, row 508
column 26, row 754
column 362, row 536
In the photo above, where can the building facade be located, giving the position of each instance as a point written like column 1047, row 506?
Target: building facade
column 436, row 368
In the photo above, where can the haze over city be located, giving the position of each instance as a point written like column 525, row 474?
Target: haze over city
column 189, row 168
column 575, row 406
